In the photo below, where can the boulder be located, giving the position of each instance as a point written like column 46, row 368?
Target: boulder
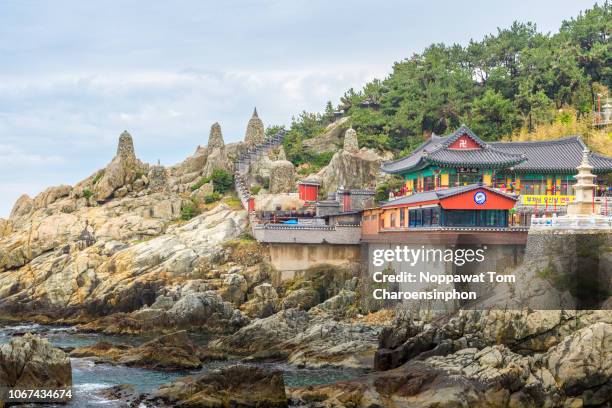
column 303, row 299
column 263, row 303
column 203, row 311
column 265, row 291
column 23, row 206
column 51, row 195
column 282, row 177
column 350, row 170
column 328, row 141
column 122, row 170
column 6, row 227
column 338, row 303
column 204, row 190
column 31, row 362
column 235, row 288
column 217, row 160
column 173, row 351
column 162, row 302
column 583, row 360
column 234, row 386
column 262, row 334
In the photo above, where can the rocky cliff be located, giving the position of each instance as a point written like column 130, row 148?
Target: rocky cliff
column 112, row 242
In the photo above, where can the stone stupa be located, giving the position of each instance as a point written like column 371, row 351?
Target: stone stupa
column 125, row 147
column 215, row 138
column 255, row 130
column 583, row 189
column 584, row 212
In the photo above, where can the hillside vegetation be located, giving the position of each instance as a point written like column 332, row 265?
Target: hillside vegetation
column 518, row 83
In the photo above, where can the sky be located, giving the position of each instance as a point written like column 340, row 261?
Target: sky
column 75, row 74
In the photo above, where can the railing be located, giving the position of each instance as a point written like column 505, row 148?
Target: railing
column 295, row 227
column 243, row 163
column 461, row 229
column 572, row 222
column 604, row 204
column 308, row 234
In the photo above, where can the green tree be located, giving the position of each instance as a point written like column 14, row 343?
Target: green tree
column 493, row 116
column 222, row 181
column 273, row 130
column 590, row 32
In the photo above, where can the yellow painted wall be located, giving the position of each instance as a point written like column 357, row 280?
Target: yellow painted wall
column 444, row 180
column 410, row 185
column 486, row 179
column 549, row 184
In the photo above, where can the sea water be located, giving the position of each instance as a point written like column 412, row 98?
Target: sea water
column 89, row 378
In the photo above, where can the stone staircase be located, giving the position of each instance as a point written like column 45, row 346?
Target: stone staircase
column 243, row 164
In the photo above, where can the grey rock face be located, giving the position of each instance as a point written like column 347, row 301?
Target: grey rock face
column 350, row 170
column 32, row 362
column 235, row 386
column 304, row 299
column 23, row 206
column 582, row 360
column 282, row 177
column 235, row 288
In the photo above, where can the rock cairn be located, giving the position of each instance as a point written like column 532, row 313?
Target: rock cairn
column 351, row 144
column 157, row 177
column 255, row 130
column 125, row 148
column 215, row 139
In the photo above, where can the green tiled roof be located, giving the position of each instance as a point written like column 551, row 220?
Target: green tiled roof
column 561, row 155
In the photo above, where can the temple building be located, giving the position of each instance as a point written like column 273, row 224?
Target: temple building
column 541, row 173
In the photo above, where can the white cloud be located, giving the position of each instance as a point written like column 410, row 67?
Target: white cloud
column 12, row 157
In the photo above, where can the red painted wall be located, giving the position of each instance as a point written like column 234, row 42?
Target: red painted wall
column 464, row 142
column 308, row 192
column 466, row 201
column 346, row 202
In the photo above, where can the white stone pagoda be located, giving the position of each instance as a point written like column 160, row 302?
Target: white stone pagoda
column 584, row 211
column 584, row 189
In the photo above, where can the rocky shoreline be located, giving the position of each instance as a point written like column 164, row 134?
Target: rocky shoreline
column 119, row 254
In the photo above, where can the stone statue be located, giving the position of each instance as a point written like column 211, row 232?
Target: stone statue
column 350, row 141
